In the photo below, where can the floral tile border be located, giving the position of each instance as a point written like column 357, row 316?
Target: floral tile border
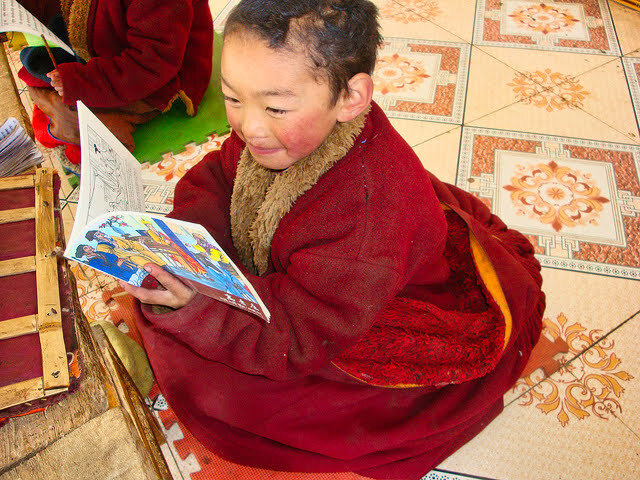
column 577, row 200
column 583, row 26
column 422, row 79
column 632, row 69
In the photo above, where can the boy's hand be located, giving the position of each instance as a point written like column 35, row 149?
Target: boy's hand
column 56, row 81
column 174, row 294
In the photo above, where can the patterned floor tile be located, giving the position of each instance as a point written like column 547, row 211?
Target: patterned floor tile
column 565, row 25
column 607, row 97
column 439, row 154
column 159, row 180
column 423, row 19
column 627, row 23
column 421, row 80
column 632, row 71
column 580, row 313
column 454, row 16
column 529, row 441
column 622, row 378
column 577, row 200
column 94, row 307
column 548, row 92
column 86, row 278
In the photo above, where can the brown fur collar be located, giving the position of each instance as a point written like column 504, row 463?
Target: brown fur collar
column 262, row 197
column 76, row 16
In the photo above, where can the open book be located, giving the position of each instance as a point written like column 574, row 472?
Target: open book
column 113, row 234
column 15, row 18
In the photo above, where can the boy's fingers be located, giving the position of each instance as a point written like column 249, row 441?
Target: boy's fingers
column 167, row 280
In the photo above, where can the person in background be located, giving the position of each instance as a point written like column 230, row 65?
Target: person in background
column 134, row 59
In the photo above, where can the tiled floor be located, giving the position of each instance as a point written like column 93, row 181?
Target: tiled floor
column 534, row 107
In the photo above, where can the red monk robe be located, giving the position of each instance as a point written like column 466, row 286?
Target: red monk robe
column 402, row 311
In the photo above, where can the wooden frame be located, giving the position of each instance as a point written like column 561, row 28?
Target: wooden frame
column 48, row 320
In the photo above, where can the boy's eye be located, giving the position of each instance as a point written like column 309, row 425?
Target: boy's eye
column 229, row 99
column 276, row 111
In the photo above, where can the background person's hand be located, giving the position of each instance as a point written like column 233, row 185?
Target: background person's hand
column 56, row 82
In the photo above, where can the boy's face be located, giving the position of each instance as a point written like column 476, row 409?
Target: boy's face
column 273, row 102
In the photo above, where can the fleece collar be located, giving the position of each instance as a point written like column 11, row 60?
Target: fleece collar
column 76, row 16
column 262, row 197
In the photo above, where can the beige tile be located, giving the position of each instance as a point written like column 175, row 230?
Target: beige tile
column 425, row 19
column 454, row 16
column 579, row 315
column 487, row 88
column 505, row 76
column 627, row 22
column 545, row 114
column 540, row 438
column 220, row 11
column 561, row 64
column 439, row 154
column 216, row 6
column 419, row 131
column 595, row 302
column 619, row 380
column 608, row 99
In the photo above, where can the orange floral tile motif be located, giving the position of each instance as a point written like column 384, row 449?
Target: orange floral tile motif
column 590, row 385
column 577, row 200
column 543, row 18
column 410, row 11
column 548, row 90
column 555, row 195
column 580, row 26
column 396, row 74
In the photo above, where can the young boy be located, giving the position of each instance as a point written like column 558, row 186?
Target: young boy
column 138, row 57
column 402, row 309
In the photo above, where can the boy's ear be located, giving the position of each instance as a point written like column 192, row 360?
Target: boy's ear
column 354, row 102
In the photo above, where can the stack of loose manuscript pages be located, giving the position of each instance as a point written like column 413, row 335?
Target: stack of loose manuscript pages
column 18, row 152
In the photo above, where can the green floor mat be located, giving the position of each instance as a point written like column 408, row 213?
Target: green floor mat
column 171, row 131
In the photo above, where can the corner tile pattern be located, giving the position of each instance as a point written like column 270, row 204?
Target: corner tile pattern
column 578, row 201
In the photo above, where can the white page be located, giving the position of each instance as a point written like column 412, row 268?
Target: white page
column 8, row 127
column 110, row 176
column 15, row 18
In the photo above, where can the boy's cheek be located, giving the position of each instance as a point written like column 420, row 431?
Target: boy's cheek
column 303, row 136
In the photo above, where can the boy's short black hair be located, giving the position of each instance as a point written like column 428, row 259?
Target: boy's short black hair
column 341, row 37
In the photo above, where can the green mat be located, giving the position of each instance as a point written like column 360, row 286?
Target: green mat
column 172, row 130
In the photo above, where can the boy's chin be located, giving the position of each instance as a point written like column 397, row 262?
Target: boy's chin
column 276, row 160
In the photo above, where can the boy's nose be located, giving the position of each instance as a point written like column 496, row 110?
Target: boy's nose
column 253, row 125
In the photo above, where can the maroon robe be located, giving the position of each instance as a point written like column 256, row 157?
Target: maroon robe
column 151, row 50
column 397, row 325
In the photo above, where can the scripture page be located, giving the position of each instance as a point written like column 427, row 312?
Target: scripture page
column 15, row 18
